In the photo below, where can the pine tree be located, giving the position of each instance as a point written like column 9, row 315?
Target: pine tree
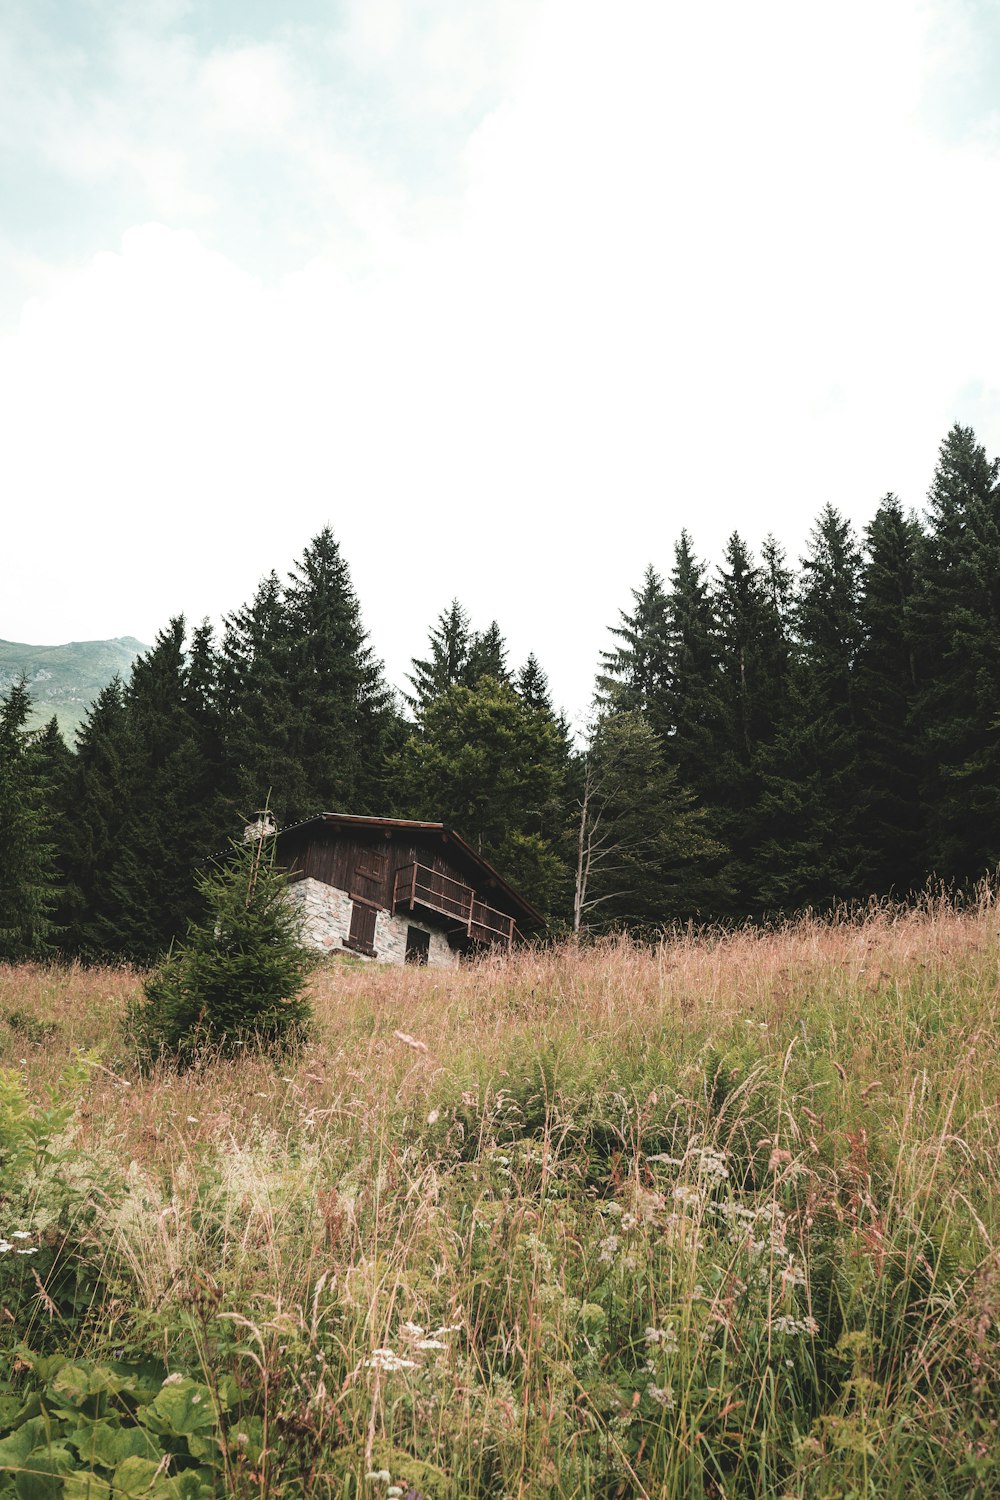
column 634, row 676
column 533, row 685
column 167, row 831
column 689, row 714
column 813, row 804
column 753, row 651
column 236, row 980
column 886, row 694
column 957, row 629
column 487, row 656
column 306, row 713
column 96, row 807
column 28, row 881
column 447, row 662
column 640, row 844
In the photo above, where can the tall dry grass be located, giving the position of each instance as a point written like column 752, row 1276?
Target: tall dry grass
column 718, row 1217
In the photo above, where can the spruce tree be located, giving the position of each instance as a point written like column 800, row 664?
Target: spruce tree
column 236, row 980
column 487, row 656
column 888, row 681
column 98, row 792
column 753, row 651
column 28, row 879
column 813, row 805
column 447, row 661
column 957, row 631
column 634, row 676
column 641, row 847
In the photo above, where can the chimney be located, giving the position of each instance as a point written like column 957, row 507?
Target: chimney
column 262, row 826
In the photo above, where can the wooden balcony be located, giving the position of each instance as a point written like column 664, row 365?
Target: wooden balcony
column 419, row 888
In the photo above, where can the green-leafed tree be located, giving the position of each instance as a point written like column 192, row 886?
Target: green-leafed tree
column 28, row 878
column 957, row 632
column 813, row 808
column 643, row 853
column 485, row 762
column 888, row 681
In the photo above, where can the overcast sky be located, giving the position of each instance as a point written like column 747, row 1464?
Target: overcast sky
column 505, row 291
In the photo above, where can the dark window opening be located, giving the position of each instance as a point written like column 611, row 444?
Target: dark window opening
column 362, row 936
column 418, row 945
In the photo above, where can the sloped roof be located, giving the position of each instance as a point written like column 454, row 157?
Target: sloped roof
column 533, row 917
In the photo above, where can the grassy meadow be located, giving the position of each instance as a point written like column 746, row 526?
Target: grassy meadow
column 718, row 1218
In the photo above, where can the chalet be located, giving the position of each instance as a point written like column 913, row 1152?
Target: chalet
column 399, row 891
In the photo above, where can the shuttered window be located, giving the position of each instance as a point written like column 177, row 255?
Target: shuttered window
column 362, row 936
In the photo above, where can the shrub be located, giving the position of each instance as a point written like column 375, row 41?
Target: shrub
column 237, row 979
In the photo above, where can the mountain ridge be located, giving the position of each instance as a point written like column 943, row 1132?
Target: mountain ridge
column 64, row 679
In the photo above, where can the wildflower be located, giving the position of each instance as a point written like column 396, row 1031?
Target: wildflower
column 20, row 1234
column 385, row 1359
column 608, row 1245
column 32, row 1250
column 662, row 1394
column 394, row 1492
column 174, row 1379
column 192, row 1119
column 794, row 1326
column 433, row 1117
column 430, row 1344
column 379, row 1476
column 5, row 1245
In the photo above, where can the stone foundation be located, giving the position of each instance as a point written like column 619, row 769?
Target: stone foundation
column 326, row 926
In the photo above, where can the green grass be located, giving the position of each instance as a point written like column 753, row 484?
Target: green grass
column 714, row 1219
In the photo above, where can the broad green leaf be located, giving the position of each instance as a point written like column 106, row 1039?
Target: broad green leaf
column 40, row 1476
column 102, row 1443
column 85, row 1487
column 179, row 1409
column 136, row 1476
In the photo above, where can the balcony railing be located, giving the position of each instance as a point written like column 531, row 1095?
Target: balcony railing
column 419, row 886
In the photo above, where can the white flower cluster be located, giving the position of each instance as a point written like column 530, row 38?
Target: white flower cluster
column 663, row 1338
column 7, row 1245
column 417, row 1338
column 794, row 1326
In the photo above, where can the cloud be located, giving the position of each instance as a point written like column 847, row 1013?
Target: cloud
column 693, row 268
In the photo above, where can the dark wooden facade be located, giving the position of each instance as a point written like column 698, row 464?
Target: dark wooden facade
column 399, row 865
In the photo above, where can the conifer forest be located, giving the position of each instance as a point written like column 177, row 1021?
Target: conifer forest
column 766, row 738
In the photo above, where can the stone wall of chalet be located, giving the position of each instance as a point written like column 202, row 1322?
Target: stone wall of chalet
column 326, row 926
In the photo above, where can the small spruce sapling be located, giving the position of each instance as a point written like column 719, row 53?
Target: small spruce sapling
column 236, row 981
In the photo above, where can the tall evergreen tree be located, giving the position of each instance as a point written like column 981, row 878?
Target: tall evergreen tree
column 168, row 829
column 634, row 676
column 533, row 685
column 690, row 712
column 640, row 845
column 483, row 760
column 957, row 627
column 306, row 714
column 447, row 661
column 886, row 696
column 813, row 803
column 487, row 656
column 753, row 651
column 28, row 881
column 95, row 812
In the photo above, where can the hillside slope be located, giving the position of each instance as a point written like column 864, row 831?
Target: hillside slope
column 65, row 680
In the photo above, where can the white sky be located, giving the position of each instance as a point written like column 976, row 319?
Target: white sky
column 506, row 291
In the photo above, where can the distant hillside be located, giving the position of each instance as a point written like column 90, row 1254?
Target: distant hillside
column 65, row 680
